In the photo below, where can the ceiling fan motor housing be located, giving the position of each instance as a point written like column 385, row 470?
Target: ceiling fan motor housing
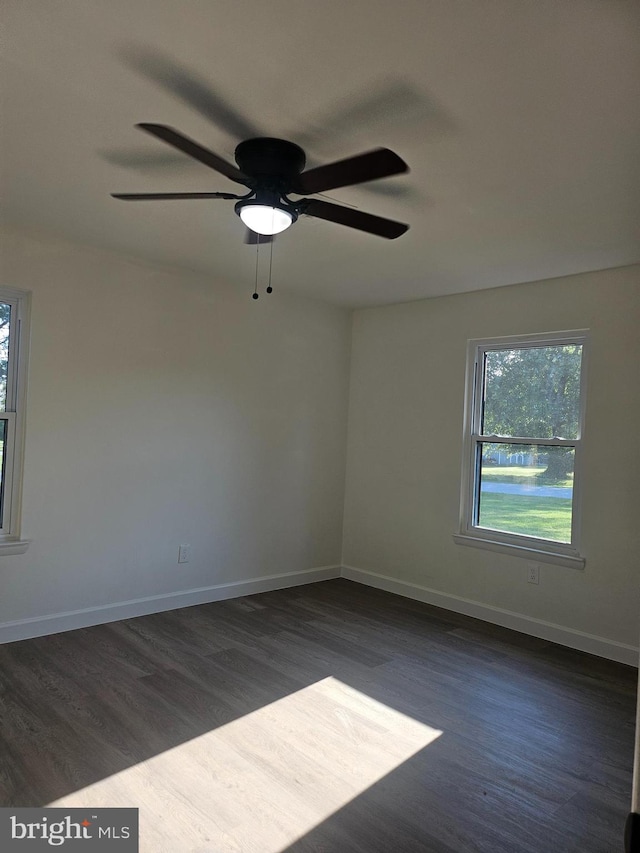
column 271, row 163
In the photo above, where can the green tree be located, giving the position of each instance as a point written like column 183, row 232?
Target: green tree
column 535, row 391
column 5, row 319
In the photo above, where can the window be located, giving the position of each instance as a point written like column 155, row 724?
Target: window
column 523, row 443
column 13, row 363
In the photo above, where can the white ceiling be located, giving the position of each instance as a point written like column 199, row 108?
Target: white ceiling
column 520, row 121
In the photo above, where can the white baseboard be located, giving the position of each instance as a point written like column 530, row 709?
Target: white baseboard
column 24, row 629
column 590, row 643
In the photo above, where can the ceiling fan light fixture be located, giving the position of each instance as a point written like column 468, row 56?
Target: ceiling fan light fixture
column 265, row 217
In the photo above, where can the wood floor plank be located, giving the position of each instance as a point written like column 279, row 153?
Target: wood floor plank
column 331, row 718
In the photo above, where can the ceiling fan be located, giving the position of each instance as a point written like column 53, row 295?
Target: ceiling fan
column 272, row 170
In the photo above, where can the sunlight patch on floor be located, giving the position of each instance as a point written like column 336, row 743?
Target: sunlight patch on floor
column 260, row 782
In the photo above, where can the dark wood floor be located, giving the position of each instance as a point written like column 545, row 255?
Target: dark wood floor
column 330, row 717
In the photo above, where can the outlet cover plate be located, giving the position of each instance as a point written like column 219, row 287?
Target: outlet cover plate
column 533, row 573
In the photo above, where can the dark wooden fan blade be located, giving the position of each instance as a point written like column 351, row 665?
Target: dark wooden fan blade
column 353, row 218
column 188, row 146
column 171, row 75
column 166, row 196
column 379, row 163
column 375, row 108
column 251, row 238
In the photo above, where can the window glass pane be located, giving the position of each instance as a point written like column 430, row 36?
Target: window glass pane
column 5, row 319
column 526, row 489
column 3, row 432
column 532, row 392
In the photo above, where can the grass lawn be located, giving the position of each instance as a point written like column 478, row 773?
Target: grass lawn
column 517, row 474
column 546, row 518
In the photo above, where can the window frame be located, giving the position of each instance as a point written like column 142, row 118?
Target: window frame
column 14, row 417
column 470, row 533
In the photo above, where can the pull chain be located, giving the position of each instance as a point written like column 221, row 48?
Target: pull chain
column 255, row 289
column 269, row 288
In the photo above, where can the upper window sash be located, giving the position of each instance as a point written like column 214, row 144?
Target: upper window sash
column 11, row 397
column 481, row 347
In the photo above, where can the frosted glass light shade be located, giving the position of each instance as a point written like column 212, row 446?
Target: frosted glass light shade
column 264, row 219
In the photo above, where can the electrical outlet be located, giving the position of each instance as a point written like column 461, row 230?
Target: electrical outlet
column 184, row 553
column 533, row 573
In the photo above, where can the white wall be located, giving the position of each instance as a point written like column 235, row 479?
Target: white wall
column 404, row 450
column 165, row 408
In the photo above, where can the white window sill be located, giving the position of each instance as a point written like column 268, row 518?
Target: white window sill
column 530, row 553
column 8, row 547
